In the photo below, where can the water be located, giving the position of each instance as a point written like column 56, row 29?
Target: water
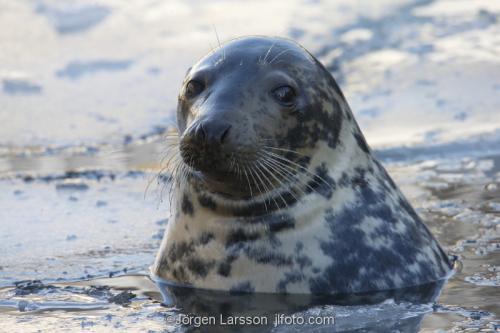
column 98, row 230
column 87, row 89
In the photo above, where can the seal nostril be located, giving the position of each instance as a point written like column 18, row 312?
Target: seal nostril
column 200, row 132
column 224, row 134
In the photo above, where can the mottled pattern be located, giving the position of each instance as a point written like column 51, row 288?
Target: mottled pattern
column 344, row 228
column 186, row 205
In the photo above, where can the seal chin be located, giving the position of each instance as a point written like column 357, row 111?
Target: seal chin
column 224, row 184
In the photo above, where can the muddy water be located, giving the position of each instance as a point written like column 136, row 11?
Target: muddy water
column 87, row 89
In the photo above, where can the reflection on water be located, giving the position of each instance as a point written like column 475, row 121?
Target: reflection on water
column 200, row 310
column 373, row 312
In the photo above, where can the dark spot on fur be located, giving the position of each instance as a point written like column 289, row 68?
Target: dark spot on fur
column 290, row 277
column 207, row 202
column 344, row 180
column 187, row 206
column 199, row 267
column 257, row 209
column 180, row 249
column 358, row 180
column 224, row 269
column 322, row 183
column 265, row 255
column 350, row 248
column 206, row 237
column 303, row 261
column 240, row 236
column 276, row 222
column 179, row 274
column 281, row 223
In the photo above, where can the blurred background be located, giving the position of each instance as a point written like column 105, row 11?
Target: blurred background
column 87, row 88
column 92, row 72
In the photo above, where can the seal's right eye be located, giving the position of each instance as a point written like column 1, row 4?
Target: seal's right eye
column 285, row 95
column 193, row 88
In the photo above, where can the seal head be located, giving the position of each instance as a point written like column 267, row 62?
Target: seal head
column 276, row 189
column 247, row 101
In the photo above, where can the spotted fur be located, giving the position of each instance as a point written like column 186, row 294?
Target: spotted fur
column 353, row 231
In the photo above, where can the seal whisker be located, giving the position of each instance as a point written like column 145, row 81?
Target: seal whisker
column 171, row 149
column 173, row 183
column 148, row 185
column 248, row 181
column 278, row 55
column 292, row 177
column 157, row 176
column 256, row 184
column 174, row 176
column 184, row 173
column 172, row 140
column 177, row 178
column 301, row 181
column 301, row 167
column 289, row 179
column 259, row 173
column 268, row 51
column 231, row 162
column 261, row 168
column 280, row 182
column 220, row 45
column 173, row 159
column 170, row 135
column 290, row 170
column 170, row 144
column 238, row 170
column 285, row 150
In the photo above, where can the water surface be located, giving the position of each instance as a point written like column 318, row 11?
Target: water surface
column 88, row 89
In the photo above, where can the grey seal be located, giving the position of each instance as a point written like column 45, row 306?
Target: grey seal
column 275, row 188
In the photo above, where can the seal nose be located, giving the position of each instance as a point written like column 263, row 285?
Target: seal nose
column 212, row 131
column 205, row 145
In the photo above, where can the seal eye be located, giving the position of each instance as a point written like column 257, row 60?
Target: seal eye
column 285, row 95
column 193, row 88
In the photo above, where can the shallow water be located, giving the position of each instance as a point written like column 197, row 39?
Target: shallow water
column 88, row 89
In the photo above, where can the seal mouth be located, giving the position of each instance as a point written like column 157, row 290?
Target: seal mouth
column 257, row 171
column 227, row 185
column 226, row 174
column 257, row 176
column 261, row 179
column 220, row 168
